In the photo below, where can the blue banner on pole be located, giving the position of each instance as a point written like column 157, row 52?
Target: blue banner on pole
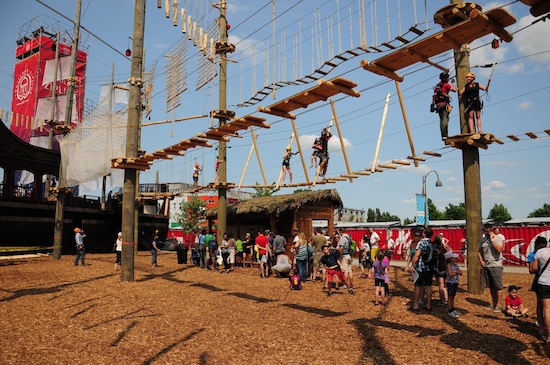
column 420, row 199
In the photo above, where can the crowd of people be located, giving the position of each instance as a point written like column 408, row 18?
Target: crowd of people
column 330, row 259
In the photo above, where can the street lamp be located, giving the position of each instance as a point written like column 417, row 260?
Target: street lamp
column 438, row 183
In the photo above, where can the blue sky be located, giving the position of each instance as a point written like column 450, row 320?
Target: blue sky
column 515, row 174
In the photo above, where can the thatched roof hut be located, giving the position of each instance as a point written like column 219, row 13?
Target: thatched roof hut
column 281, row 213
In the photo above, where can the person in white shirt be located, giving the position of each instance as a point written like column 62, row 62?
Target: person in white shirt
column 539, row 265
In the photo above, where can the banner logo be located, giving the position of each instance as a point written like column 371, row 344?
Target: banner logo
column 23, row 87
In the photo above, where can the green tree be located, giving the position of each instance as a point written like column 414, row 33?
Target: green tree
column 499, row 214
column 433, row 213
column 540, row 212
column 455, row 212
column 371, row 215
column 407, row 221
column 375, row 215
column 192, row 213
column 264, row 191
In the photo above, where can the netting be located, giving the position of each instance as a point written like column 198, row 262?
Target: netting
column 87, row 151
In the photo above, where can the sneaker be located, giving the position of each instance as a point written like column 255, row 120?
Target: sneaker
column 453, row 315
column 351, row 291
column 329, row 294
column 515, row 315
column 525, row 315
column 497, row 309
column 457, row 313
column 489, row 307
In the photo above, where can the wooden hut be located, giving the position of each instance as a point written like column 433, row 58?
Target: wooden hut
column 281, row 213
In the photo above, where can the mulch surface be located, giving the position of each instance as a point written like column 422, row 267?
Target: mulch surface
column 52, row 312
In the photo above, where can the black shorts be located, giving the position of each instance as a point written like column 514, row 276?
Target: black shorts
column 425, row 278
column 543, row 291
column 474, row 104
column 379, row 282
column 286, row 163
column 323, row 157
column 452, row 289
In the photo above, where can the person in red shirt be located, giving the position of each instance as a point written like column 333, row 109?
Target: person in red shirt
column 442, row 101
column 262, row 243
column 514, row 304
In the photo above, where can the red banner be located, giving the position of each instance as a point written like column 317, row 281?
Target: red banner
column 32, row 98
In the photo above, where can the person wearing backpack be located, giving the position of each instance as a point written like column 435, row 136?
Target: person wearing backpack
column 442, row 102
column 423, row 262
column 347, row 258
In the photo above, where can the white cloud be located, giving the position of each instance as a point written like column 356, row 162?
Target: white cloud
column 525, row 105
column 409, row 201
column 248, row 47
column 487, row 56
column 532, row 40
column 451, row 179
column 496, row 184
column 233, row 8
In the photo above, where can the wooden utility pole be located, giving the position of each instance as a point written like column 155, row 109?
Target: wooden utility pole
column 60, row 203
column 222, row 148
column 54, row 106
column 472, row 179
column 132, row 137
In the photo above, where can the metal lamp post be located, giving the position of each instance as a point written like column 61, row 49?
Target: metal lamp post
column 438, row 183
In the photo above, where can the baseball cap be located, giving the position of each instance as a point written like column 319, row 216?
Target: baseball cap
column 512, row 287
column 450, row 255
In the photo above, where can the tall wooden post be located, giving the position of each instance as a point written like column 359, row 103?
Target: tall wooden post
column 134, row 114
column 54, row 106
column 472, row 179
column 222, row 148
column 60, row 204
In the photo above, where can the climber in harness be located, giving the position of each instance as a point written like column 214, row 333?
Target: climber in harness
column 469, row 95
column 286, row 164
column 441, row 102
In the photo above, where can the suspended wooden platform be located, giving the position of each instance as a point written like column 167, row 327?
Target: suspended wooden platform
column 130, row 163
column 144, row 161
column 322, row 92
column 231, row 129
column 480, row 140
column 454, row 13
column 453, row 37
column 220, row 185
column 538, row 7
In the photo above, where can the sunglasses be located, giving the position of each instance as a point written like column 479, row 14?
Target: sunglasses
column 417, row 235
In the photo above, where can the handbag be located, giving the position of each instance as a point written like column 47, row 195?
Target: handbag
column 535, row 284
